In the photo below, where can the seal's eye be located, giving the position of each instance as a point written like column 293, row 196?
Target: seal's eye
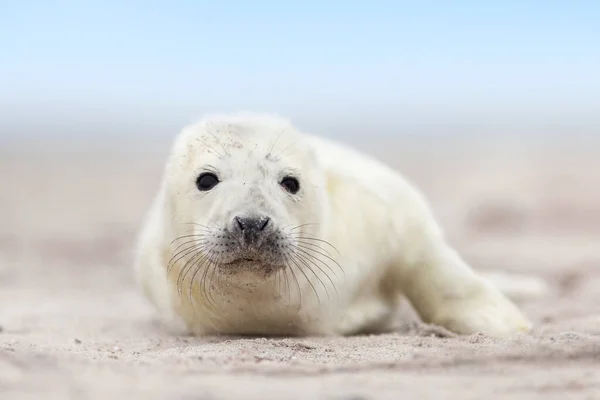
column 207, row 181
column 290, row 184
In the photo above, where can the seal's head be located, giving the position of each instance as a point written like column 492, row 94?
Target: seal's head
column 247, row 193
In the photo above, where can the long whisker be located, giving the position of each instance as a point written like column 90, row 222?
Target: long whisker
column 187, row 237
column 288, row 287
column 186, row 268
column 199, row 266
column 306, row 250
column 207, row 281
column 202, row 283
column 307, row 279
column 195, row 245
column 292, row 234
column 200, row 252
column 194, row 240
column 207, row 288
column 303, row 261
column 197, row 224
column 313, row 246
column 219, row 280
column 295, row 281
column 200, row 257
column 303, row 225
column 182, row 254
column 277, row 282
column 313, row 260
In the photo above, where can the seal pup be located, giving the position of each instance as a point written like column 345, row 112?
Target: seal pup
column 261, row 229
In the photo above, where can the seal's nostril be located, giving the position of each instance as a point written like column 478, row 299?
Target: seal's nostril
column 267, row 220
column 240, row 223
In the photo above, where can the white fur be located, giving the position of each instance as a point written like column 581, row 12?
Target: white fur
column 386, row 240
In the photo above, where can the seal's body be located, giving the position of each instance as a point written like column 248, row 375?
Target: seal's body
column 261, row 229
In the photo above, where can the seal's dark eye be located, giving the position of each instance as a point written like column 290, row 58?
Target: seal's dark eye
column 290, row 184
column 207, row 181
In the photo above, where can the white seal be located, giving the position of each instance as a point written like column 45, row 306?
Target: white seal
column 261, row 229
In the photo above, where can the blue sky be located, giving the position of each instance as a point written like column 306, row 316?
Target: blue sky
column 172, row 60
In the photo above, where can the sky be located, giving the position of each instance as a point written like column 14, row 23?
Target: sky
column 154, row 65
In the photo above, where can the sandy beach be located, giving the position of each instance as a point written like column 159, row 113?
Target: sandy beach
column 74, row 326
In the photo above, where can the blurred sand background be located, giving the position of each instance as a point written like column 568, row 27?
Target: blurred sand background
column 73, row 326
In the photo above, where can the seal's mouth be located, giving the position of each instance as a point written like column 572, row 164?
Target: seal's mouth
column 251, row 263
column 267, row 254
column 246, row 260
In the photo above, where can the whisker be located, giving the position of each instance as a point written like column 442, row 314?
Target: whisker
column 216, row 223
column 199, row 268
column 295, row 281
column 219, row 283
column 292, row 234
column 207, row 282
column 186, row 268
column 195, row 240
column 200, row 251
column 210, row 271
column 194, row 230
column 205, row 252
column 187, row 237
column 181, row 255
column 197, row 224
column 331, row 280
column 200, row 265
column 288, row 286
column 277, row 283
column 218, row 141
column 303, row 225
column 283, row 280
column 211, row 148
column 313, row 246
column 306, row 250
column 202, row 283
column 307, row 279
column 275, row 142
column 176, row 258
column 302, row 260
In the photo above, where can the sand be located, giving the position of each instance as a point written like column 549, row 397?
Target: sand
column 73, row 326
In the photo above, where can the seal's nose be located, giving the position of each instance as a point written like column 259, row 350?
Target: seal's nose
column 251, row 229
